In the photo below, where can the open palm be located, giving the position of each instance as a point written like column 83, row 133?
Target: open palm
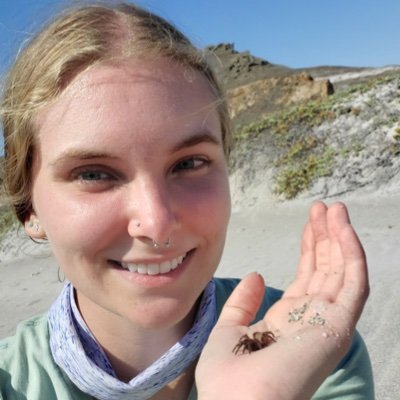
column 313, row 322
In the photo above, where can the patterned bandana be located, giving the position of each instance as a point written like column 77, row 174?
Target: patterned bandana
column 77, row 352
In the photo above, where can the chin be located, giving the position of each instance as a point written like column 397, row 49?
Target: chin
column 167, row 315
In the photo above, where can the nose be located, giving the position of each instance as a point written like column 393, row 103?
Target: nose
column 153, row 213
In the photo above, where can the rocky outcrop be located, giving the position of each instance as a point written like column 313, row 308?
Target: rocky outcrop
column 257, row 87
column 235, row 69
column 273, row 94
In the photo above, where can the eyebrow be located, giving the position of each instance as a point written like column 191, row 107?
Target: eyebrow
column 83, row 154
column 79, row 154
column 202, row 137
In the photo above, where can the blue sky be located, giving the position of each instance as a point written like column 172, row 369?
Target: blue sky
column 289, row 32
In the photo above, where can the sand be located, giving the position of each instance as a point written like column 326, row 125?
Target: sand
column 265, row 238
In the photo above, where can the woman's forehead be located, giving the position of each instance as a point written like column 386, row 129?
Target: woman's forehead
column 163, row 79
column 134, row 103
column 162, row 71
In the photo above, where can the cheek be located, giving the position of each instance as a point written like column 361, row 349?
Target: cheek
column 209, row 207
column 74, row 221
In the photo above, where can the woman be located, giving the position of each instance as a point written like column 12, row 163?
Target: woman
column 116, row 142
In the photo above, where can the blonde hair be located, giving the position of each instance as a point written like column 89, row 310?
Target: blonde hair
column 75, row 40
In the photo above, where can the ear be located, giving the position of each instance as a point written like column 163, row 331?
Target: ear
column 33, row 228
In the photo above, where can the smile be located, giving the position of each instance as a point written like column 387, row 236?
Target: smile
column 154, row 268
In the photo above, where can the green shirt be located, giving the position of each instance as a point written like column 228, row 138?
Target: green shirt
column 28, row 372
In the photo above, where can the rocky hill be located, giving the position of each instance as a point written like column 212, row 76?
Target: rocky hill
column 256, row 87
column 316, row 132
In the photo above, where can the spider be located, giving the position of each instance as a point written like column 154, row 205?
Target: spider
column 259, row 341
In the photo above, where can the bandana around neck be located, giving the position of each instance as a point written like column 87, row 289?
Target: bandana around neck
column 78, row 354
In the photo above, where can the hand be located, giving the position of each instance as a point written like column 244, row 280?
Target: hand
column 313, row 322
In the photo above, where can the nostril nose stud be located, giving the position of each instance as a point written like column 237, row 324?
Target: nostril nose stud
column 166, row 244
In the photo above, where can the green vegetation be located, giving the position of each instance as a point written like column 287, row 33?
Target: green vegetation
column 353, row 148
column 308, row 115
column 396, row 134
column 300, row 172
column 302, row 156
column 394, row 149
column 370, row 84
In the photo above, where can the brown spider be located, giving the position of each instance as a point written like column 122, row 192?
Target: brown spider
column 259, row 341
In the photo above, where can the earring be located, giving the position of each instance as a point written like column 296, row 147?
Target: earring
column 35, row 225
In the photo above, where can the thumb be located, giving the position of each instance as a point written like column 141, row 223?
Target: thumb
column 244, row 302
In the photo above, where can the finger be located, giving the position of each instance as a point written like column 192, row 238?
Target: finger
column 338, row 219
column 338, row 216
column 306, row 267
column 319, row 226
column 355, row 290
column 244, row 302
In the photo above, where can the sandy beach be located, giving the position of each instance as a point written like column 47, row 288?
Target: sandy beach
column 265, row 238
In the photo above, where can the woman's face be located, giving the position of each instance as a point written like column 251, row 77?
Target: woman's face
column 127, row 155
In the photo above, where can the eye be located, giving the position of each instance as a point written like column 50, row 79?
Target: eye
column 191, row 164
column 93, row 176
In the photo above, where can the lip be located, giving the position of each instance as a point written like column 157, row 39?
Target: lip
column 148, row 280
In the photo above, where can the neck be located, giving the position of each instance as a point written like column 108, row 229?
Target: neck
column 131, row 348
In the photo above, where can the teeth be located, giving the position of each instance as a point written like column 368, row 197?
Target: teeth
column 153, row 268
column 142, row 269
column 165, row 267
column 132, row 267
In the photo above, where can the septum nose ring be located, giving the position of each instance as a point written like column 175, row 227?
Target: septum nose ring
column 166, row 244
column 156, row 245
